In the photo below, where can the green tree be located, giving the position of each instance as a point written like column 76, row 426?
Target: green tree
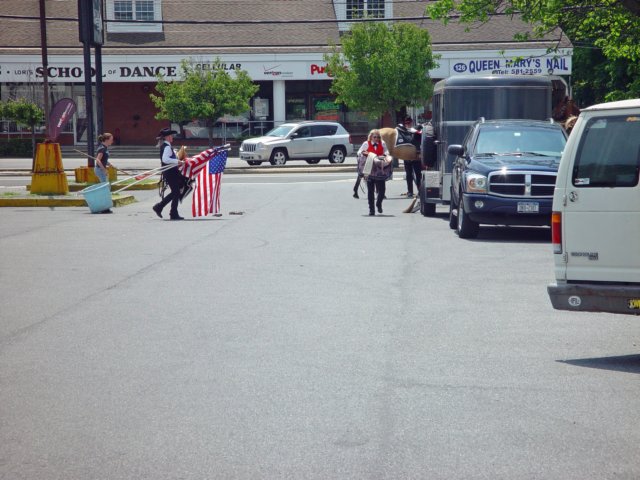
column 381, row 69
column 205, row 95
column 612, row 26
column 24, row 113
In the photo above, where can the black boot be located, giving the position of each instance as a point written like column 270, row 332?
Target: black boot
column 158, row 209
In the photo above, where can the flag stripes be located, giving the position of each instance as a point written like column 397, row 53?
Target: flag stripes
column 206, row 194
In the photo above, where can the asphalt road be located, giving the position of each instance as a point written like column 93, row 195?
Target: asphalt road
column 300, row 339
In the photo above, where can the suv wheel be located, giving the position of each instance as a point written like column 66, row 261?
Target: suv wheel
column 453, row 218
column 467, row 228
column 278, row 157
column 337, row 155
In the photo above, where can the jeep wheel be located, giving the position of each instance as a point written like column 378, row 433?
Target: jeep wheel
column 313, row 161
column 278, row 157
column 337, row 155
column 467, row 228
column 253, row 162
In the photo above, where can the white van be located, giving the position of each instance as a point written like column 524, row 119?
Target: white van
column 596, row 213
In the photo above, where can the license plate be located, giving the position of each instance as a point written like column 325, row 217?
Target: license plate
column 246, row 157
column 528, row 207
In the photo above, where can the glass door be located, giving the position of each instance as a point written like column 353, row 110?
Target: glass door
column 80, row 121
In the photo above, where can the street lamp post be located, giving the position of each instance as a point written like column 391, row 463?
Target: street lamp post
column 91, row 33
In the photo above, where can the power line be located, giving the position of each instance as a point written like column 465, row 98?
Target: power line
column 223, row 22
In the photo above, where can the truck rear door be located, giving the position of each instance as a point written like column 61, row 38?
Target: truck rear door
column 601, row 217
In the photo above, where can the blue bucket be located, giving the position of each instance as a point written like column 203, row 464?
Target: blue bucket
column 98, row 197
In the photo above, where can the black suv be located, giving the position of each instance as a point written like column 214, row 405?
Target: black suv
column 505, row 174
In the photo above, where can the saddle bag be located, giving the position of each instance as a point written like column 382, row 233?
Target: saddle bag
column 368, row 165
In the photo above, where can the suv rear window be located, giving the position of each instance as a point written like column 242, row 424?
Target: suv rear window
column 609, row 153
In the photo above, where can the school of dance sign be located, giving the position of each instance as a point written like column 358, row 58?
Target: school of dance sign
column 148, row 69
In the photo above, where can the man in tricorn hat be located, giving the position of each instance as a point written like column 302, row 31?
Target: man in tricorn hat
column 172, row 176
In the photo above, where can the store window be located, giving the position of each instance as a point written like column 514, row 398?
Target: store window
column 122, row 12
column 296, row 108
column 325, row 108
column 32, row 92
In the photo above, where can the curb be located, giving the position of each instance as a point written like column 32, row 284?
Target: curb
column 15, row 172
column 59, row 201
column 76, row 187
column 292, row 169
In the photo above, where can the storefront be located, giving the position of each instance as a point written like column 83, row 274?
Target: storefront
column 292, row 86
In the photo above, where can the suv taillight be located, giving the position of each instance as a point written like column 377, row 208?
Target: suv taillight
column 556, row 231
column 350, row 139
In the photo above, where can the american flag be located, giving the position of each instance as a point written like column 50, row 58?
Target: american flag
column 206, row 195
column 193, row 165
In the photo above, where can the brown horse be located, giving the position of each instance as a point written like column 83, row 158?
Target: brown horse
column 406, row 152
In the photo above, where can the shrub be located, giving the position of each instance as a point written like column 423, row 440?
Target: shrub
column 17, row 147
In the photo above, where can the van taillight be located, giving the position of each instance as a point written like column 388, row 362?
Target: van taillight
column 556, row 232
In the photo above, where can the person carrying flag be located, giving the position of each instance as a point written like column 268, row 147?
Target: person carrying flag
column 171, row 176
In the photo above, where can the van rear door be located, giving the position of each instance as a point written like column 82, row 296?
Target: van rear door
column 601, row 217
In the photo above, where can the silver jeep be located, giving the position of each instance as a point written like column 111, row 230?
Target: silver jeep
column 309, row 140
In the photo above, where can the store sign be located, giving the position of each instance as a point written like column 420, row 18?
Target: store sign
column 147, row 68
column 317, row 70
column 556, row 65
column 16, row 69
column 277, row 71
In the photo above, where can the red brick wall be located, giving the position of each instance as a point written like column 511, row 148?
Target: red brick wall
column 129, row 112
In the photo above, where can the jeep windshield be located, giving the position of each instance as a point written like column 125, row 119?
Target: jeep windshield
column 281, row 131
column 520, row 141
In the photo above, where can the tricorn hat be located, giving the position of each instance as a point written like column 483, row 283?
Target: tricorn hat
column 165, row 132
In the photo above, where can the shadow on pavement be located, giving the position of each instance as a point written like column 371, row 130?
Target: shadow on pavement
column 625, row 363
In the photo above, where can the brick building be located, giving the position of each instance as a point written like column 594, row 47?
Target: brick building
column 284, row 59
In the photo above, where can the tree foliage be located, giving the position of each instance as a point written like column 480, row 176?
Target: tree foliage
column 24, row 113
column 380, row 69
column 204, row 95
column 612, row 26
